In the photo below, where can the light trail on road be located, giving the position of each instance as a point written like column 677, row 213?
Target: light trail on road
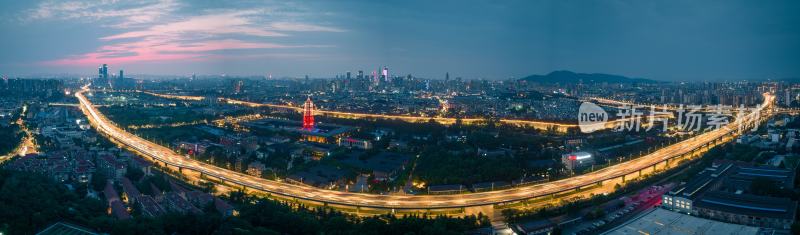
column 541, row 125
column 27, row 144
column 304, row 192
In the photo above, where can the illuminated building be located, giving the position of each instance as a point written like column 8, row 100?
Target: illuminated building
column 577, row 160
column 102, row 75
column 445, row 107
column 355, row 143
column 237, row 86
column 308, row 115
column 103, row 71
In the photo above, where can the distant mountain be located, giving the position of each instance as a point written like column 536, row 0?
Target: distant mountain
column 565, row 77
column 789, row 79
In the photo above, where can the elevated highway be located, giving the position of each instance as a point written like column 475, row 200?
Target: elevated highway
column 196, row 170
column 540, row 125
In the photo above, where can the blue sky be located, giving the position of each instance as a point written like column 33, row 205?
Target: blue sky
column 666, row 40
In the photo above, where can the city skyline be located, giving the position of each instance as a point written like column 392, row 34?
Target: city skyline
column 388, row 117
column 716, row 41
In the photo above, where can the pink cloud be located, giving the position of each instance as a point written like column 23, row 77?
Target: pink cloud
column 154, row 49
column 96, row 58
column 302, row 27
column 236, row 22
column 195, row 38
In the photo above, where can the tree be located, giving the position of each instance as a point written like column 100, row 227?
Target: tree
column 98, row 181
column 134, row 173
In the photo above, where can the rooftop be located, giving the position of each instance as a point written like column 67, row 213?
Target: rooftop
column 773, row 207
column 663, row 222
column 62, row 228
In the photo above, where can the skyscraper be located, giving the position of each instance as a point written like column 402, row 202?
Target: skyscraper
column 121, row 75
column 348, row 75
column 104, row 71
column 102, row 76
column 385, row 73
column 360, row 74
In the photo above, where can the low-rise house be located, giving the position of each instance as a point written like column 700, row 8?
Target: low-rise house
column 149, row 206
column 143, row 165
column 174, row 202
column 130, row 191
column 255, row 169
column 111, row 167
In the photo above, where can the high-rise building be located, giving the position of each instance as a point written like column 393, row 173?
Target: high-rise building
column 237, row 86
column 102, row 76
column 104, row 71
column 375, row 78
column 360, row 74
column 447, row 76
column 348, row 75
column 121, row 75
column 308, row 115
column 385, row 73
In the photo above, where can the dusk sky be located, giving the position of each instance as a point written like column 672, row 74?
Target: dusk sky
column 665, row 40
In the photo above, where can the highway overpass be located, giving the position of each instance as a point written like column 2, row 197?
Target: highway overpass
column 196, row 170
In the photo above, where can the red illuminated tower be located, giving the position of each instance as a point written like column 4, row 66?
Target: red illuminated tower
column 308, row 115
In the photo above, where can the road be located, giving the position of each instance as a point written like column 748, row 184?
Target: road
column 26, row 145
column 165, row 155
column 541, row 125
